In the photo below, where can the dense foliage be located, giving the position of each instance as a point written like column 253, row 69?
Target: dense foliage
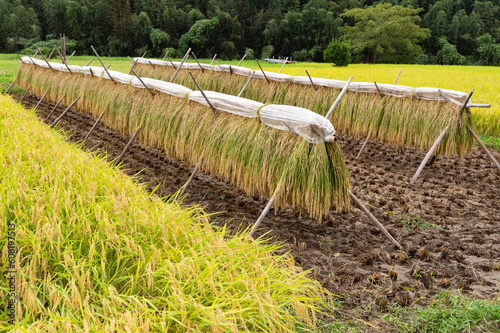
column 422, row 31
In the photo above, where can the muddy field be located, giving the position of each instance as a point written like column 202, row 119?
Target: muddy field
column 448, row 223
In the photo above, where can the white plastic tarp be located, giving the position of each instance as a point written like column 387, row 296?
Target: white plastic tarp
column 118, row 76
column 432, row 94
column 313, row 127
column 228, row 103
column 162, row 86
column 273, row 76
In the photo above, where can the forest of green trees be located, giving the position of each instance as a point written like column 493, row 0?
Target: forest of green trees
column 404, row 31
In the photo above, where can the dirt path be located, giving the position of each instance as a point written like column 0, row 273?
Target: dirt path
column 448, row 223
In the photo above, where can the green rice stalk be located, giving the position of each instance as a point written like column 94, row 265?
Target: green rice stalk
column 97, row 253
column 396, row 121
column 239, row 150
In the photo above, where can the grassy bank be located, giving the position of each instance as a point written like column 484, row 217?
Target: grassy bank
column 95, row 252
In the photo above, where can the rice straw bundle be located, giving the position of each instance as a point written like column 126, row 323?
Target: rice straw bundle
column 397, row 121
column 255, row 157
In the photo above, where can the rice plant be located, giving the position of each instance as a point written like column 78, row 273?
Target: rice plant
column 243, row 151
column 97, row 253
column 397, row 121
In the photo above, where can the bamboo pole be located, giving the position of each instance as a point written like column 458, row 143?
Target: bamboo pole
column 133, row 65
column 71, row 56
column 54, row 108
column 203, row 93
column 364, row 144
column 17, row 54
column 374, row 220
column 398, row 76
column 45, row 59
column 64, row 112
column 246, row 84
column 481, row 144
column 480, row 106
column 282, row 66
column 93, row 126
column 89, row 62
column 220, row 67
column 464, row 106
column 41, row 99
column 185, row 187
column 34, row 55
column 262, row 70
column 129, row 143
column 339, row 97
column 213, row 59
column 105, row 68
column 145, row 86
column 182, row 63
column 64, row 62
column 379, row 92
column 25, row 93
column 244, row 56
column 151, row 64
column 194, row 56
column 9, row 88
column 51, row 52
column 310, row 79
column 166, row 54
column 262, row 216
column 230, row 70
column 429, row 154
column 91, row 72
column 171, row 62
column 144, row 54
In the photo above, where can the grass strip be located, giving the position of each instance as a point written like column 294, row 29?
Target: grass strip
column 255, row 157
column 95, row 252
column 397, row 121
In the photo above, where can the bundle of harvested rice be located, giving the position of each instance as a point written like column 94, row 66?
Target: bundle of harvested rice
column 243, row 151
column 399, row 121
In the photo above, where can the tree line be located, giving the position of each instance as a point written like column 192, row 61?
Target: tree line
column 403, row 31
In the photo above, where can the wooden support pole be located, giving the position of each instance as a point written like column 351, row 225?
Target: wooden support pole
column 149, row 61
column 62, row 54
column 89, row 62
column 34, row 55
column 25, row 93
column 71, row 56
column 51, row 52
column 9, row 88
column 262, row 70
column 94, row 126
column 429, row 154
column 282, row 66
column 330, row 77
column 194, row 56
column 133, row 65
column 230, row 70
column 182, row 63
column 91, row 72
column 481, row 144
column 364, row 144
column 464, row 106
column 220, row 67
column 213, row 59
column 54, row 108
column 129, row 143
column 105, row 68
column 374, row 220
column 144, row 54
column 64, row 112
column 246, row 84
column 262, row 216
column 45, row 59
column 339, row 97
column 203, row 93
column 171, row 62
column 166, row 54
column 41, row 99
column 310, row 79
column 379, row 92
column 244, row 56
column 398, row 76
column 185, row 187
column 145, row 86
column 17, row 54
column 480, row 106
column 64, row 62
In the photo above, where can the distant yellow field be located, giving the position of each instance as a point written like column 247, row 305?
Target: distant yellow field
column 484, row 80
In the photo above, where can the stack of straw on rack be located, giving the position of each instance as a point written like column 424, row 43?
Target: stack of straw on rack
column 412, row 117
column 257, row 158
